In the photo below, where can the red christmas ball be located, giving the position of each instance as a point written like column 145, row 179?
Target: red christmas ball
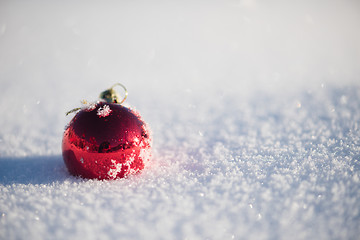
column 106, row 141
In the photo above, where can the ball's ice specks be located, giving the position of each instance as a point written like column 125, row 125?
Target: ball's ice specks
column 116, row 168
column 88, row 106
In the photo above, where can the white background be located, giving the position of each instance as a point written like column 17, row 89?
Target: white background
column 254, row 108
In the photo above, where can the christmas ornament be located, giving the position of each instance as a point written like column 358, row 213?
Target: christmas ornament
column 106, row 140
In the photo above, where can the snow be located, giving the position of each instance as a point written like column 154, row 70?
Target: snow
column 254, row 108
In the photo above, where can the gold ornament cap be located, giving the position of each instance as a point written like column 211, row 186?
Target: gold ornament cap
column 111, row 96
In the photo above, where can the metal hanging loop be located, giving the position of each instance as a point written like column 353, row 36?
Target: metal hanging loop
column 111, row 96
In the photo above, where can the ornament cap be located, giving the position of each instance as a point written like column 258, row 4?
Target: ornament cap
column 111, row 96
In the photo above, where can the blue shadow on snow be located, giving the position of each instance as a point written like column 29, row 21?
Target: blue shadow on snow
column 32, row 170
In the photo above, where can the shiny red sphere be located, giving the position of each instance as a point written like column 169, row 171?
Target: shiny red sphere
column 106, row 141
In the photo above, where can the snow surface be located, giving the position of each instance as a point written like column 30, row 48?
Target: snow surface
column 254, row 108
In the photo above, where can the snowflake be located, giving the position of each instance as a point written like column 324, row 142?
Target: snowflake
column 104, row 111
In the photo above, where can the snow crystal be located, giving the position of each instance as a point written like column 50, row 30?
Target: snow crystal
column 104, row 111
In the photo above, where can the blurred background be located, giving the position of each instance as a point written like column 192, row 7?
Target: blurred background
column 169, row 54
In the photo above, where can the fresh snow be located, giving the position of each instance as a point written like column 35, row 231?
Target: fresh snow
column 254, row 108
